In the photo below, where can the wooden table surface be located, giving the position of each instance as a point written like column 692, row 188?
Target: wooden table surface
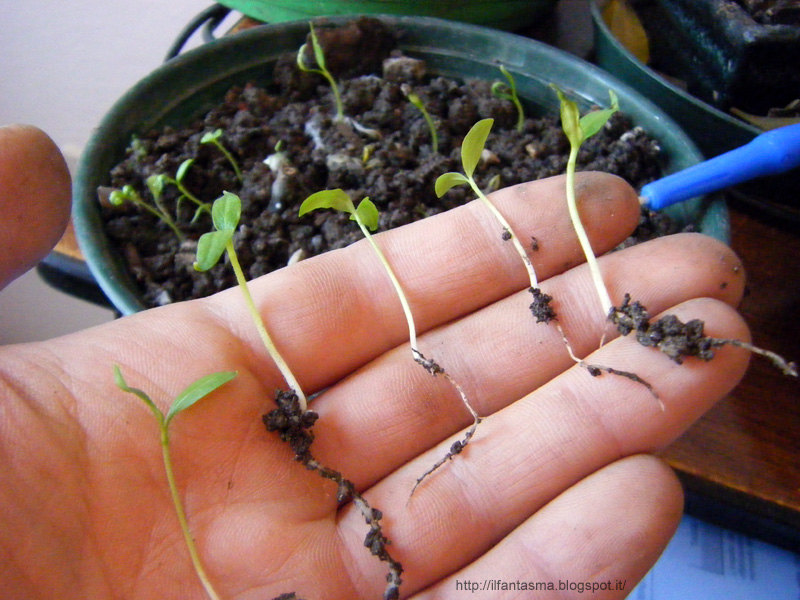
column 745, row 452
column 740, row 463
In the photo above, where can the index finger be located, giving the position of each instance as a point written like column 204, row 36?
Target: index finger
column 336, row 312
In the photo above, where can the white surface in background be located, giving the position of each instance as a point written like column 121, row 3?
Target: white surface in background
column 63, row 65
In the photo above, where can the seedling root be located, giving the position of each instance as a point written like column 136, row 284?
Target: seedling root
column 679, row 340
column 293, row 424
column 458, row 446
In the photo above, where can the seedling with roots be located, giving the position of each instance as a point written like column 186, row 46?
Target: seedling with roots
column 509, row 92
column 291, row 419
column 188, row 397
column 416, row 101
column 673, row 337
column 366, row 217
column 471, row 150
column 319, row 57
column 213, row 138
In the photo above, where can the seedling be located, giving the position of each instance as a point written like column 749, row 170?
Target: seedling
column 366, row 216
column 509, row 92
column 129, row 194
column 291, row 419
column 319, row 57
column 471, row 151
column 578, row 129
column 188, row 397
column 157, row 183
column 213, row 137
column 225, row 214
column 416, row 101
column 669, row 334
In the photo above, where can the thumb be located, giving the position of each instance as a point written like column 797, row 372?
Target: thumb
column 35, row 192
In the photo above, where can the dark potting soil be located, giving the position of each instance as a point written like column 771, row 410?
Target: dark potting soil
column 289, row 146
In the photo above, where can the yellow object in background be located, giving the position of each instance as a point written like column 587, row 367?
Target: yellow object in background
column 627, row 28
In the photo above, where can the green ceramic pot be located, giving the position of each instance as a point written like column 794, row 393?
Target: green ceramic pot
column 713, row 130
column 191, row 84
column 507, row 14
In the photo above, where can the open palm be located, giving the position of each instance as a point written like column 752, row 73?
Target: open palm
column 557, row 485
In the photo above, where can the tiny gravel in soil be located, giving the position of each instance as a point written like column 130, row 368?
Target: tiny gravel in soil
column 395, row 167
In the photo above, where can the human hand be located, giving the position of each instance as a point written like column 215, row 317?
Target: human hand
column 557, row 484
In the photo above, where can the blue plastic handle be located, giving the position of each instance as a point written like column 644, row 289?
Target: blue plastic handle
column 769, row 153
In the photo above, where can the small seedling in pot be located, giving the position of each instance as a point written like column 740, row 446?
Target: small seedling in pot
column 157, row 183
column 416, row 101
column 319, row 57
column 129, row 194
column 213, row 137
column 509, row 92
column 366, row 217
column 669, row 334
column 188, row 397
column 292, row 419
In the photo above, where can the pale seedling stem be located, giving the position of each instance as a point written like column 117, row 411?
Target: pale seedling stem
column 594, row 268
column 366, row 216
column 283, row 367
column 578, row 129
column 471, row 150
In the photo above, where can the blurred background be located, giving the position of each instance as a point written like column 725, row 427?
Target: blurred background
column 64, row 64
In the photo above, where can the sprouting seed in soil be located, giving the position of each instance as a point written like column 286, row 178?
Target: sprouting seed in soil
column 225, row 214
column 508, row 91
column 213, row 137
column 366, row 217
column 319, row 57
column 416, row 101
column 129, row 194
column 188, row 397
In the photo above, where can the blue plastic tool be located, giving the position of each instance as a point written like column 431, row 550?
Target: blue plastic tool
column 769, row 153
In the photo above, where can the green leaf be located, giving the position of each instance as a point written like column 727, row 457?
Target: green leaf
column 155, row 183
column 226, row 212
column 447, row 181
column 336, row 199
column 184, row 166
column 119, row 380
column 210, row 247
column 570, row 118
column 199, row 390
column 367, row 214
column 473, row 144
column 319, row 55
column 117, row 198
column 211, row 136
column 593, row 122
